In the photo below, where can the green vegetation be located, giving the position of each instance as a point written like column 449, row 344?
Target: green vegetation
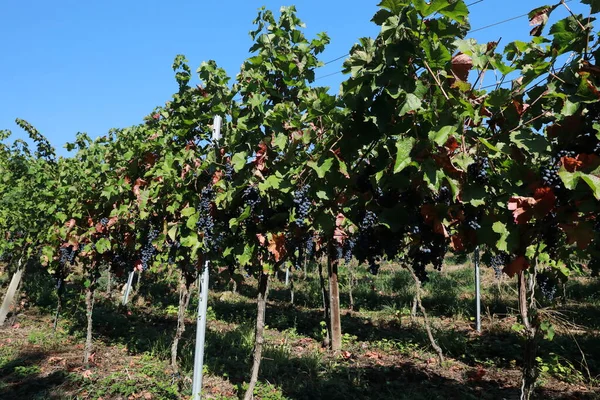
column 412, row 165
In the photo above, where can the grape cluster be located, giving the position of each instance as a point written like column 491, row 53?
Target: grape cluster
column 550, row 176
column 477, row 171
column 444, row 196
column 369, row 220
column 120, row 260
column 414, row 229
column 498, row 262
column 229, row 172
column 551, row 232
column 67, row 255
column 563, row 153
column 251, row 197
column 473, row 224
column 206, row 222
column 431, row 249
column 547, row 286
column 472, row 218
column 173, row 247
column 148, row 250
column 549, row 171
column 349, row 249
column 310, row 246
column 104, row 221
column 302, row 205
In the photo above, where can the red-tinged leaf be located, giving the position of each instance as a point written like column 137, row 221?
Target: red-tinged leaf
column 452, row 144
column 346, row 354
column 457, row 242
column 261, row 156
column 593, row 88
column 339, row 234
column 128, row 239
column 87, row 374
column 217, row 176
column 150, row 159
column 156, row 116
column 100, row 228
column 589, row 162
column 521, row 208
column 546, row 201
column 70, row 223
column 16, row 326
column 539, row 16
column 491, row 46
column 571, row 164
column 185, row 170
column 586, row 66
column 485, row 112
column 277, row 246
column 428, row 212
column 515, row 266
column 444, row 162
column 536, row 30
column 190, row 145
column 570, row 126
column 477, row 375
column 461, row 65
column 137, row 265
column 261, row 239
column 138, row 184
column 440, row 228
column 373, row 355
column 520, row 107
column 581, row 235
column 342, row 164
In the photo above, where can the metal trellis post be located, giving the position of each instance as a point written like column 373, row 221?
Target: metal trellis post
column 477, row 291
column 200, row 333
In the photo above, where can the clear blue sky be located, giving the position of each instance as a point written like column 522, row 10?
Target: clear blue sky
column 88, row 66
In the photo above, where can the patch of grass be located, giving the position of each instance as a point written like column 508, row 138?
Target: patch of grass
column 22, row 371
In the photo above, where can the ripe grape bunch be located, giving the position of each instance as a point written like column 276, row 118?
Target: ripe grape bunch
column 478, row 170
column 67, row 255
column 472, row 218
column 498, row 262
column 444, row 196
column 310, row 246
column 148, row 250
column 473, row 224
column 431, row 250
column 173, row 247
column 104, row 221
column 349, row 249
column 547, row 286
column 229, row 172
column 206, row 222
column 549, row 172
column 251, row 197
column 550, row 176
column 302, row 205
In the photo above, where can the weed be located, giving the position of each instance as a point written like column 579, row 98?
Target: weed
column 25, row 371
